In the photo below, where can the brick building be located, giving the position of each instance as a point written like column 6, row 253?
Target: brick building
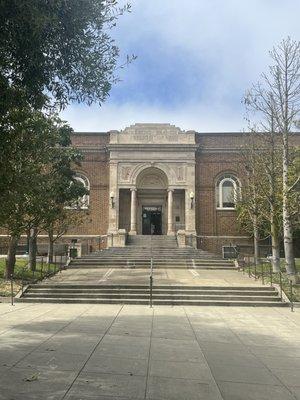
column 156, row 178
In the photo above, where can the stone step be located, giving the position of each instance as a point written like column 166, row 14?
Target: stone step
column 161, row 294
column 113, row 291
column 152, row 241
column 145, row 296
column 148, row 259
column 172, row 302
column 156, row 287
column 158, row 257
column 147, row 266
column 124, row 260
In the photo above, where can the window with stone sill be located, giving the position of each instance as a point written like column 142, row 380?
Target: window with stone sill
column 227, row 190
column 82, row 203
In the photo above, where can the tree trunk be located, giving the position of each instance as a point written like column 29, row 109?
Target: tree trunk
column 255, row 241
column 287, row 225
column 50, row 247
column 32, row 249
column 11, row 256
column 275, row 242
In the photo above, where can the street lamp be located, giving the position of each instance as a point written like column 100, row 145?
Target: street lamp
column 112, row 199
column 192, row 196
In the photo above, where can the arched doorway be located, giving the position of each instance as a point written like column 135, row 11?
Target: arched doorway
column 151, row 185
column 151, row 206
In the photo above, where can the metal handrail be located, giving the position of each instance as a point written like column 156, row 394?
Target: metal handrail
column 291, row 295
column 269, row 273
column 151, row 283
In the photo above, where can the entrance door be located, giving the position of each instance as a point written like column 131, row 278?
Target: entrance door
column 151, row 220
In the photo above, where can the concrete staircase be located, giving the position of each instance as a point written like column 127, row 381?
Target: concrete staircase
column 154, row 241
column 165, row 254
column 162, row 295
column 162, row 249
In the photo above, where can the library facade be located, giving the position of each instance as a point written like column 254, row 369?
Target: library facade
column 156, row 179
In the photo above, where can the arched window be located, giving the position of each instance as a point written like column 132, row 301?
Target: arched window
column 227, row 190
column 84, row 201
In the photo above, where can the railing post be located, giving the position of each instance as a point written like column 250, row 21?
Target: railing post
column 254, row 271
column 61, row 262
column 249, row 271
column 42, row 267
column 280, row 284
column 271, row 275
column 12, row 289
column 262, row 274
column 291, row 295
column 22, row 280
column 151, row 282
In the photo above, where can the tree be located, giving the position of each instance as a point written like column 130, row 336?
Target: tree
column 61, row 202
column 277, row 96
column 58, row 187
column 45, row 158
column 56, row 52
column 61, row 222
column 262, row 194
column 21, row 170
column 52, row 53
column 248, row 203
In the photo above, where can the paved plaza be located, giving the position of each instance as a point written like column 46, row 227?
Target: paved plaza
column 107, row 352
column 161, row 276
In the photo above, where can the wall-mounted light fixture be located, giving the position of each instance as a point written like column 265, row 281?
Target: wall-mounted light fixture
column 112, row 199
column 192, row 197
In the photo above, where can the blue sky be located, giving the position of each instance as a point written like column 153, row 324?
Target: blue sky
column 195, row 60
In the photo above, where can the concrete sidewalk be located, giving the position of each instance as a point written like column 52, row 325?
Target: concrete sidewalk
column 134, row 352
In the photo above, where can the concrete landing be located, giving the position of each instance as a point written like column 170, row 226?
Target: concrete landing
column 131, row 276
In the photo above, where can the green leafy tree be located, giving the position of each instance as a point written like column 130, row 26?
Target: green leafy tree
column 56, row 52
column 60, row 222
column 57, row 187
column 45, row 159
column 52, row 53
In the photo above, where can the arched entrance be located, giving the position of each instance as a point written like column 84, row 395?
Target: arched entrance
column 152, row 185
column 151, row 206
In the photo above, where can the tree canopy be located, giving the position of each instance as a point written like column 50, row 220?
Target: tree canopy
column 56, row 52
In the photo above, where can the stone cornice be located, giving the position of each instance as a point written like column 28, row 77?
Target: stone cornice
column 92, row 149
column 219, row 150
column 151, row 147
column 157, row 147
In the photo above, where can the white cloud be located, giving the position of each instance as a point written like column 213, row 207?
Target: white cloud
column 199, row 117
column 228, row 39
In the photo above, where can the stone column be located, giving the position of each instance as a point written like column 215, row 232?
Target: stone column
column 170, row 212
column 133, row 212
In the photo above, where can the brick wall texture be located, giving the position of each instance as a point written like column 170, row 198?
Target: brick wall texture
column 218, row 153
